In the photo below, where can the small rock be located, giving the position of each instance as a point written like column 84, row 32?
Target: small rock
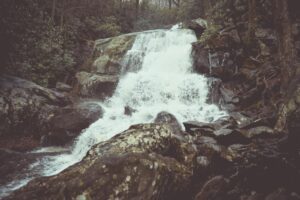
column 128, row 110
column 194, row 125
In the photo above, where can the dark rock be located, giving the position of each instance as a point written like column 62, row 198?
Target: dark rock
column 252, row 123
column 293, row 128
column 235, row 36
column 214, row 95
column 241, row 119
column 128, row 110
column 214, row 189
column 253, row 196
column 168, row 118
column 95, row 86
column 258, row 131
column 229, row 136
column 223, row 132
column 26, row 108
column 208, row 147
column 203, row 161
column 192, row 126
column 262, row 33
column 68, row 122
column 146, row 162
column 201, row 59
column 217, row 64
column 197, row 25
column 62, row 87
column 296, row 29
column 228, row 95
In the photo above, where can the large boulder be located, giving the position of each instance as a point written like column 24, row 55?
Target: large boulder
column 69, row 121
column 214, row 62
column 25, row 109
column 109, row 52
column 95, row 86
column 147, row 161
column 197, row 25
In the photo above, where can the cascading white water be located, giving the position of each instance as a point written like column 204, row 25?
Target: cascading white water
column 157, row 76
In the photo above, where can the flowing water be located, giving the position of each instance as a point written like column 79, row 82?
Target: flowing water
column 157, row 76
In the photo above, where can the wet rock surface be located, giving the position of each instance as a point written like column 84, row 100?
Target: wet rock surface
column 95, row 86
column 68, row 122
column 145, row 162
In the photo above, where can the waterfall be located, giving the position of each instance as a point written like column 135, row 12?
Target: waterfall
column 157, row 76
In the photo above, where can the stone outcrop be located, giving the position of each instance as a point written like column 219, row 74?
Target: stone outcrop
column 145, row 162
column 197, row 25
column 250, row 50
column 100, row 73
column 95, row 86
column 25, row 109
column 108, row 53
column 250, row 59
column 68, row 122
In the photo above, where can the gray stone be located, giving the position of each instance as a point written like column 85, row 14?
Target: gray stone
column 68, row 122
column 95, row 86
column 109, row 53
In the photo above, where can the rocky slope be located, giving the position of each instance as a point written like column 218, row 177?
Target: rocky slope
column 25, row 110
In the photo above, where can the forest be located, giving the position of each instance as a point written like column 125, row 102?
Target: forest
column 44, row 40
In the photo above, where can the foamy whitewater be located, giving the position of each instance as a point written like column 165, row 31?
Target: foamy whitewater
column 157, row 76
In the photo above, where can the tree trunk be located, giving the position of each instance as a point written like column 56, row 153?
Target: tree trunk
column 137, row 5
column 53, row 10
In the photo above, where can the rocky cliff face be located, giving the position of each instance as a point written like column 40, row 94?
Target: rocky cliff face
column 24, row 112
column 252, row 46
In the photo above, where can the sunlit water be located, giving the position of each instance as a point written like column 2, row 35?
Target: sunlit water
column 157, row 76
